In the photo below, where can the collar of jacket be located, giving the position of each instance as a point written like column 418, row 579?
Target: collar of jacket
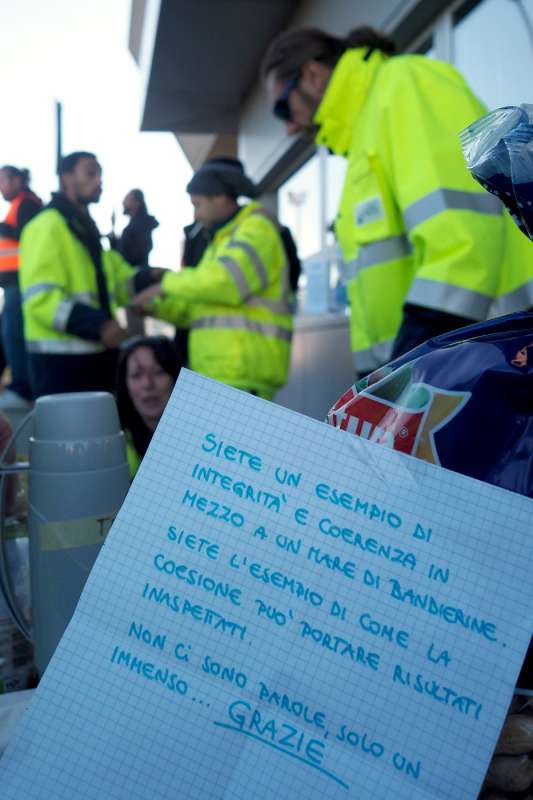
column 228, row 225
column 81, row 225
column 345, row 96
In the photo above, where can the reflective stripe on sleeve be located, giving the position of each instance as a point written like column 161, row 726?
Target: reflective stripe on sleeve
column 251, row 252
column 37, row 288
column 447, row 297
column 83, row 297
column 241, row 323
column 69, row 346
column 371, row 358
column 75, row 297
column 520, row 299
column 394, row 247
column 450, row 199
column 63, row 312
column 237, row 274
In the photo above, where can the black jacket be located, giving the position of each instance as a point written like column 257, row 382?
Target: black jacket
column 135, row 242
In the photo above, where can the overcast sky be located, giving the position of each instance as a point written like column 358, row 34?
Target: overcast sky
column 76, row 51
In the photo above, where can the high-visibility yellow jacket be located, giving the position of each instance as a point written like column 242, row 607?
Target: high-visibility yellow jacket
column 134, row 459
column 56, row 275
column 236, row 304
column 413, row 225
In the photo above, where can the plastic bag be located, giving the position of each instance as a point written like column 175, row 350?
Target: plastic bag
column 463, row 400
column 499, row 152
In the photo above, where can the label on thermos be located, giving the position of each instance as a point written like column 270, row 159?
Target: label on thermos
column 67, row 533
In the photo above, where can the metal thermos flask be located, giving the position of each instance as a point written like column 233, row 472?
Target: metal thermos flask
column 78, row 479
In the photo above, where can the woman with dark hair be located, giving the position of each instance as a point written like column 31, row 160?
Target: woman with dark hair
column 147, row 371
column 135, row 243
column 24, row 204
column 425, row 251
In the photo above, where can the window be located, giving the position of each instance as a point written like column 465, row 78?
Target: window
column 493, row 49
column 299, row 207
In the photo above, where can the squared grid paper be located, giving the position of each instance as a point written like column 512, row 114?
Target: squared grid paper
column 102, row 729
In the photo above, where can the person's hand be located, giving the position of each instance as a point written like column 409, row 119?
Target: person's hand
column 111, row 334
column 145, row 297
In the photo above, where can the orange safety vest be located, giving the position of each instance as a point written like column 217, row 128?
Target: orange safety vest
column 9, row 248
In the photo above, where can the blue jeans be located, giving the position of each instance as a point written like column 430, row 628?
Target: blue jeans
column 13, row 342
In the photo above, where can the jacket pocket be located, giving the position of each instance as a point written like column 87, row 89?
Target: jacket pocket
column 368, row 211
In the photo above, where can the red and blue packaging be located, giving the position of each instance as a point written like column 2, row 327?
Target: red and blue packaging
column 463, row 400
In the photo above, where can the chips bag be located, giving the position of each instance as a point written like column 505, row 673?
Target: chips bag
column 463, row 400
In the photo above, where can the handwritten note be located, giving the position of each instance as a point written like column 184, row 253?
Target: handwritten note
column 283, row 610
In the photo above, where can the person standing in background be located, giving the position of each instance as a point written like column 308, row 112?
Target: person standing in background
column 24, row 205
column 135, row 242
column 236, row 301
column 71, row 288
column 425, row 250
column 196, row 241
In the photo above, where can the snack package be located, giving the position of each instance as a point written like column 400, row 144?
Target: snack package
column 463, row 400
column 499, row 153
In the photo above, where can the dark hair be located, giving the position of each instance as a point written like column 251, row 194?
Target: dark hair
column 138, row 194
column 289, row 51
column 166, row 356
column 68, row 163
column 17, row 172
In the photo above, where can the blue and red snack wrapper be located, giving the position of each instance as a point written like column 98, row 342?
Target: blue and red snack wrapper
column 463, row 400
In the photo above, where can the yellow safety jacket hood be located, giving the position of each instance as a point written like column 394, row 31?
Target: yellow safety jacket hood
column 345, row 96
column 413, row 225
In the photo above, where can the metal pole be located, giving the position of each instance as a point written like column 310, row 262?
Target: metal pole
column 59, row 133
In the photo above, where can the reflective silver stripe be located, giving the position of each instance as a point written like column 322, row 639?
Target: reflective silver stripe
column 377, row 252
column 450, row 199
column 276, row 306
column 8, row 251
column 446, row 297
column 237, row 274
column 63, row 312
column 260, row 269
column 57, row 346
column 83, row 297
column 373, row 357
column 37, row 288
column 241, row 323
column 76, row 297
column 520, row 299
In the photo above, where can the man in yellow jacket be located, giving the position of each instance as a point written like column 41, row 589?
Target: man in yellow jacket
column 71, row 288
column 236, row 301
column 425, row 249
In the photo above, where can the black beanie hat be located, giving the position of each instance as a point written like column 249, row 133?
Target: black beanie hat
column 222, row 176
